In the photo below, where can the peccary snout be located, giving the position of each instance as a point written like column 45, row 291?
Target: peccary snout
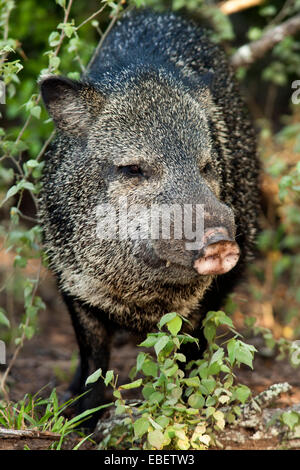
column 219, row 254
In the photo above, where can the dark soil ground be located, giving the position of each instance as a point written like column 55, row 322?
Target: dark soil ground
column 49, row 360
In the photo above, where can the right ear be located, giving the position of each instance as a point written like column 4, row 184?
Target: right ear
column 72, row 105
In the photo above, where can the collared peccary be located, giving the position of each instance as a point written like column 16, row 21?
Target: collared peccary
column 158, row 121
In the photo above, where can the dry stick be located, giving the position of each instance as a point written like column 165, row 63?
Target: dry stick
column 249, row 53
column 233, row 6
column 100, row 44
column 282, row 13
column 28, row 433
column 91, row 17
column 44, row 148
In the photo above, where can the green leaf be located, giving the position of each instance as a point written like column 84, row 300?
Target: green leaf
column 209, row 332
column 192, row 381
column 148, row 390
column 140, row 360
column 149, row 341
column 231, row 345
column 36, row 111
column 156, row 397
column 94, row 377
column 196, row 401
column 20, row 261
column 54, row 39
column 141, row 426
column 108, row 377
column 290, row 418
column 150, row 368
column 163, row 421
column 32, row 163
column 171, row 370
column 242, row 393
column 156, row 439
column 29, row 331
column 161, row 344
column 209, row 384
column 210, row 401
column 26, row 185
column 135, row 384
column 11, row 192
column 180, row 357
column 54, row 62
column 166, row 318
column 3, row 319
column 174, row 325
column 244, row 354
column 117, row 394
column 217, row 356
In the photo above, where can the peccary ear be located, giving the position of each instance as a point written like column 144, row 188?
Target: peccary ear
column 72, row 105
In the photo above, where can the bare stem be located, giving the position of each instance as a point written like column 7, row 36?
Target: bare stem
column 249, row 53
column 100, row 44
column 91, row 17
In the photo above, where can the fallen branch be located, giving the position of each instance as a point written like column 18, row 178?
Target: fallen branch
column 28, row 433
column 233, row 6
column 249, row 53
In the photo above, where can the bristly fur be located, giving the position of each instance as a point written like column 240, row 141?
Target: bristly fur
column 161, row 92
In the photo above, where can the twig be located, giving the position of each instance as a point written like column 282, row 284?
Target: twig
column 44, row 148
column 233, row 6
column 62, row 36
column 91, row 17
column 249, row 53
column 282, row 13
column 100, row 44
column 27, row 433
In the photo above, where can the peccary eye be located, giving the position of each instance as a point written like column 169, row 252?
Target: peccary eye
column 131, row 170
column 207, row 168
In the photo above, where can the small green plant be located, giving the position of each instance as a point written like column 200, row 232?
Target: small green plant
column 182, row 407
column 44, row 414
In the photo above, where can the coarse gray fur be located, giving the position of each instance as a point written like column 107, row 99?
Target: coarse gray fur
column 159, row 95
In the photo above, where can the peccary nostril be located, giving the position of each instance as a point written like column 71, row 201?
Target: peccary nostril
column 219, row 255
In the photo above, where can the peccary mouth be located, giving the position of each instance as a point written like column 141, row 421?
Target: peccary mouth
column 218, row 255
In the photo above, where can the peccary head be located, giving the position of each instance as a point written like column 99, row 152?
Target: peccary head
column 122, row 157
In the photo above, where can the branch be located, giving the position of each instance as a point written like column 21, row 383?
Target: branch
column 233, row 6
column 249, row 53
column 28, row 433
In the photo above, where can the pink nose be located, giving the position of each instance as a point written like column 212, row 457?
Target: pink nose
column 219, row 255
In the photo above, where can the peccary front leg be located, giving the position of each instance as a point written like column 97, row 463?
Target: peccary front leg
column 94, row 341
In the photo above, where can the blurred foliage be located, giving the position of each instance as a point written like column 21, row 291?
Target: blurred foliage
column 59, row 36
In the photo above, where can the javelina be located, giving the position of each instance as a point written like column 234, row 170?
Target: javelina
column 157, row 120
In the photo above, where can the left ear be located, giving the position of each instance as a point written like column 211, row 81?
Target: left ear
column 72, row 105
